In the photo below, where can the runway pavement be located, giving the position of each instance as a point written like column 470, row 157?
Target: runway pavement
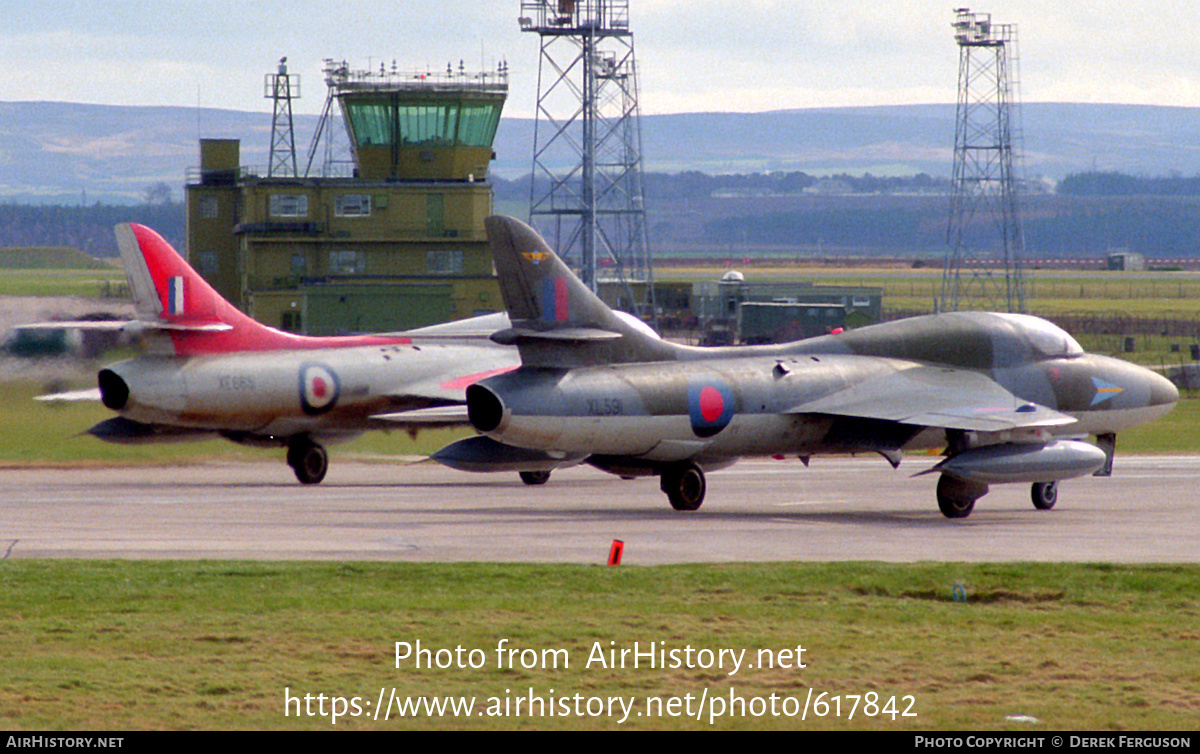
column 839, row 509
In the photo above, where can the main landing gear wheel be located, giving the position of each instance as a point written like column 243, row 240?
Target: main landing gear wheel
column 684, row 485
column 1044, row 494
column 956, row 497
column 309, row 460
column 533, row 478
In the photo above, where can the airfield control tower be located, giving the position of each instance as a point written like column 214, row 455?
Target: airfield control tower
column 586, row 195
column 388, row 238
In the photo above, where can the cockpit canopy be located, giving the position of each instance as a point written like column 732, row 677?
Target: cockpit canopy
column 973, row 340
column 1045, row 338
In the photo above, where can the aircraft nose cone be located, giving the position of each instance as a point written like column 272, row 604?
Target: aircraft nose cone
column 1162, row 390
column 1149, row 388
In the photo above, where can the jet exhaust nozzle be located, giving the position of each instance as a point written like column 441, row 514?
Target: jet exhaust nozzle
column 485, row 410
column 114, row 392
column 1024, row 462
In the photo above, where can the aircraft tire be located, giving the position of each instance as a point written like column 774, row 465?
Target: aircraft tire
column 685, row 486
column 1044, row 494
column 308, row 460
column 956, row 497
column 534, row 478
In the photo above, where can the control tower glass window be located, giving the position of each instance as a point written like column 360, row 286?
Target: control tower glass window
column 437, row 124
column 372, row 123
column 479, row 121
column 428, row 124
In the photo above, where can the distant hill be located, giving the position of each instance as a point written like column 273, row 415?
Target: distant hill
column 53, row 258
column 73, row 153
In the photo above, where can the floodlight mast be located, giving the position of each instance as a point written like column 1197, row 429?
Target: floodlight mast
column 984, row 213
column 282, row 87
column 586, row 191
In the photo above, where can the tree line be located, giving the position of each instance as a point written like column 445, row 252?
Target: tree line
column 1100, row 183
column 1090, row 214
column 88, row 228
column 693, row 184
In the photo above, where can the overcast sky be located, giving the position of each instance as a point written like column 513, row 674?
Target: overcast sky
column 693, row 55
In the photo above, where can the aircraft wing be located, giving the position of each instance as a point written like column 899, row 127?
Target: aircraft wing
column 97, row 325
column 481, row 327
column 87, row 394
column 936, row 397
column 426, row 417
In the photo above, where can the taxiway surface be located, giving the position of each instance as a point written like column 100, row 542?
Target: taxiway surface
column 839, row 509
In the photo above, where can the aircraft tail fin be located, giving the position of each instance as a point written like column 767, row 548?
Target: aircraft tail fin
column 556, row 320
column 172, row 299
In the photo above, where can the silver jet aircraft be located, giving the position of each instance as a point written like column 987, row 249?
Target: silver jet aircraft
column 1010, row 397
column 209, row 370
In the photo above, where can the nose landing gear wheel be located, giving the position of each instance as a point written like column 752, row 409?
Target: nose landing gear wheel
column 684, row 485
column 1045, row 495
column 308, row 460
column 534, row 477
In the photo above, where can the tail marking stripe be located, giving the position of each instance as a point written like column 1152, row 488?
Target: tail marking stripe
column 175, row 303
column 555, row 300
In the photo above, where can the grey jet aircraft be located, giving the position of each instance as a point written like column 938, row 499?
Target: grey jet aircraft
column 1011, row 398
column 209, row 370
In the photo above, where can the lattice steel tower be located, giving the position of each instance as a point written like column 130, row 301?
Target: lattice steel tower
column 282, row 88
column 985, row 241
column 338, row 158
column 586, row 190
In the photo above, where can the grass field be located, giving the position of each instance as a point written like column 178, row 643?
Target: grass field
column 49, row 258
column 86, row 283
column 1049, row 292
column 202, row 645
column 1063, row 294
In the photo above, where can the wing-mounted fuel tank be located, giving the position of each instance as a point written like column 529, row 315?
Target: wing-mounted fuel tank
column 122, row 431
column 483, row 454
column 1011, row 462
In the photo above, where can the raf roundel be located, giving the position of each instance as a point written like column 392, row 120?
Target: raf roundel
column 318, row 388
column 710, row 407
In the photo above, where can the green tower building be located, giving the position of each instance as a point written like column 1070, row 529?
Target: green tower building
column 393, row 240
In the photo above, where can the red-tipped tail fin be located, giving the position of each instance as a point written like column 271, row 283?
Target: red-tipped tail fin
column 171, row 297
